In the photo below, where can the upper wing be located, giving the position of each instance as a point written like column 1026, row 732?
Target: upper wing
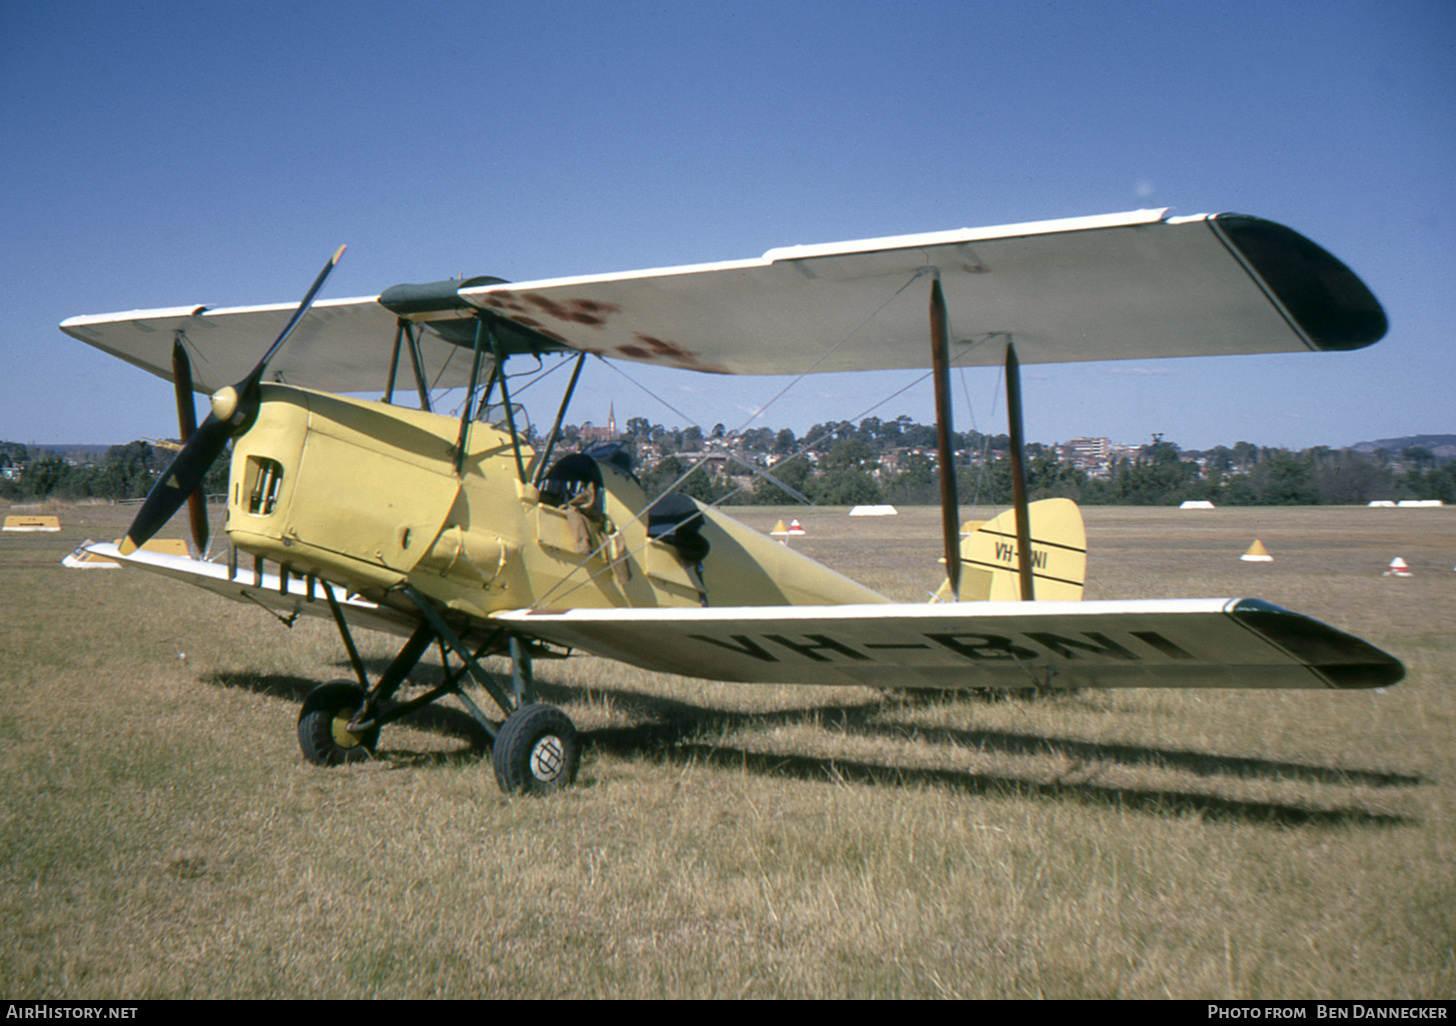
column 1180, row 643
column 342, row 345
column 1123, row 286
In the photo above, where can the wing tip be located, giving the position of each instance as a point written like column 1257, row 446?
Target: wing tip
column 1327, row 301
column 1342, row 660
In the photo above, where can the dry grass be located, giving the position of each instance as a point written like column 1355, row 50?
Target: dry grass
column 162, row 837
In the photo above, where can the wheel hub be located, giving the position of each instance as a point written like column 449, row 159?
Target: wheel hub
column 548, row 758
column 343, row 737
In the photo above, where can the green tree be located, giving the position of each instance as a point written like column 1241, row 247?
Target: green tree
column 793, row 472
column 699, row 484
column 129, row 470
column 1282, row 478
column 758, row 439
column 1157, row 476
column 915, row 481
column 44, row 476
column 1418, row 457
column 639, row 429
column 846, row 478
column 844, row 486
column 1436, row 483
column 852, row 453
column 1047, row 477
column 1343, row 477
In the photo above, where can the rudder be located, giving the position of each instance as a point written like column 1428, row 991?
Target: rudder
column 990, row 570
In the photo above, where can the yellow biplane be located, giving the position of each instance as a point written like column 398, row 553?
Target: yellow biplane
column 453, row 531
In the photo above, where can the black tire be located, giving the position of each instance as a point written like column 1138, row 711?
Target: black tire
column 322, row 726
column 536, row 751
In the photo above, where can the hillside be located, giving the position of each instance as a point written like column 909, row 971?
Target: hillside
column 1443, row 446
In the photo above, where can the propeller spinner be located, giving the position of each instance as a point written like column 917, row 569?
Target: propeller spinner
column 233, row 409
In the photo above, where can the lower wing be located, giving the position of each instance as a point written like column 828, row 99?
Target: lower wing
column 287, row 597
column 1178, row 643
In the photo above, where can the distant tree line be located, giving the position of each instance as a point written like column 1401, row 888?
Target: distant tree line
column 842, row 464
column 874, row 461
column 1248, row 475
column 119, row 472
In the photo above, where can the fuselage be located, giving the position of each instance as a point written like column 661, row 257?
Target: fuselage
column 366, row 494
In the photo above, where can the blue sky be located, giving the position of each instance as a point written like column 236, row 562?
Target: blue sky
column 166, row 154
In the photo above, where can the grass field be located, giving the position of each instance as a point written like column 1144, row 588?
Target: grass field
column 160, row 835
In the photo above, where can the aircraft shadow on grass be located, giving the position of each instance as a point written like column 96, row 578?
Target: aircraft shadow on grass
column 675, row 730
column 435, row 719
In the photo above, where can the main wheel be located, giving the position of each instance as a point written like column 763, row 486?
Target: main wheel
column 323, row 725
column 537, row 750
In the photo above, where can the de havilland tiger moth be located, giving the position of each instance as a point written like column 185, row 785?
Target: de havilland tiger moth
column 455, row 532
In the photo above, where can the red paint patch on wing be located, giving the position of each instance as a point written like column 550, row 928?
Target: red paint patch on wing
column 520, row 308
column 526, row 308
column 670, row 350
column 657, row 350
column 506, row 301
column 577, row 311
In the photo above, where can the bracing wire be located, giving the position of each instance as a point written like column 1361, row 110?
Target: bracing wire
column 571, row 581
column 834, row 348
column 804, row 447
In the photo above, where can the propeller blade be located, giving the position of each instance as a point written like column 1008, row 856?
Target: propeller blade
column 182, row 477
column 185, row 473
column 251, row 381
column 187, row 425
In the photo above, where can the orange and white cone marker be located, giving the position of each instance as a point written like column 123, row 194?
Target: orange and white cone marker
column 1398, row 568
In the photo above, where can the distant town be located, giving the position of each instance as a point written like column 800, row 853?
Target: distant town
column 874, row 461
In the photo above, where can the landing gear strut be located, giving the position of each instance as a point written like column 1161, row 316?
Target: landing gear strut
column 535, row 750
